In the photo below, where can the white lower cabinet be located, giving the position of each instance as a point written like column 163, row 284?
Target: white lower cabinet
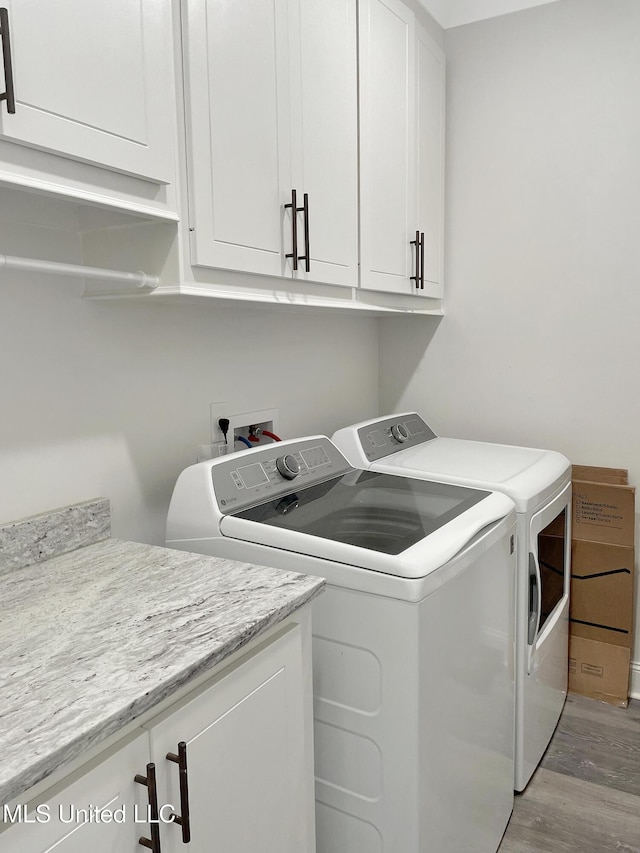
column 57, row 820
column 242, row 780
column 248, row 775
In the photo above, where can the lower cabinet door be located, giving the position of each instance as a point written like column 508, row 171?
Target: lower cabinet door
column 248, row 773
column 96, row 810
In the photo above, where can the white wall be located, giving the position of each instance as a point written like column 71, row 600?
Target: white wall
column 540, row 344
column 112, row 399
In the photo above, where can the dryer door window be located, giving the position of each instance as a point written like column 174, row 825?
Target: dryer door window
column 551, row 557
column 549, row 575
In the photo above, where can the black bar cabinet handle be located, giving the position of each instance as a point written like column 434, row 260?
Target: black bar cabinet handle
column 294, row 229
column 416, row 243
column 8, row 95
column 182, row 819
column 149, row 780
column 422, row 260
column 305, row 208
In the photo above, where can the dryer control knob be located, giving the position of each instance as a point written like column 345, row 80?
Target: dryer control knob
column 288, row 466
column 399, row 432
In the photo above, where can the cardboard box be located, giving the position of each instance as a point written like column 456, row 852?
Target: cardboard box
column 602, row 584
column 599, row 670
column 594, row 474
column 603, row 511
column 602, row 600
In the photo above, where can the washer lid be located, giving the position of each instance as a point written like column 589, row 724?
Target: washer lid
column 398, row 525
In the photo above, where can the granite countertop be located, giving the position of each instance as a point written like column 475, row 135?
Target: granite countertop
column 92, row 638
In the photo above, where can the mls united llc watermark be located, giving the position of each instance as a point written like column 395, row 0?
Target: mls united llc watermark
column 44, row 813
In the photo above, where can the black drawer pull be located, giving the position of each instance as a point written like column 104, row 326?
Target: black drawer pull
column 416, row 243
column 8, row 95
column 182, row 819
column 305, row 208
column 294, row 229
column 149, row 780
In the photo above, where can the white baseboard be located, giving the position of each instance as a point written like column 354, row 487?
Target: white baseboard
column 634, row 688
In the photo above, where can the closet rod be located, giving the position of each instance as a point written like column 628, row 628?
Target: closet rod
column 137, row 279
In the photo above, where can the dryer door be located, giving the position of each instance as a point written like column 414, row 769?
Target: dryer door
column 549, row 567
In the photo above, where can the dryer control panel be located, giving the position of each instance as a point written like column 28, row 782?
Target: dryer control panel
column 250, row 477
column 387, row 436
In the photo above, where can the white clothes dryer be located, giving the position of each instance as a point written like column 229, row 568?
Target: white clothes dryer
column 539, row 483
column 412, row 639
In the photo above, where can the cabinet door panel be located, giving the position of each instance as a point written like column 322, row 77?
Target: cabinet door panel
column 325, row 122
column 430, row 158
column 108, row 785
column 93, row 81
column 246, row 761
column 387, row 31
column 237, row 105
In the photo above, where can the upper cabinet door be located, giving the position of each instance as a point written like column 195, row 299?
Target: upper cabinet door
column 324, row 105
column 237, row 97
column 94, row 81
column 402, row 77
column 387, row 145
column 272, row 100
column 430, row 160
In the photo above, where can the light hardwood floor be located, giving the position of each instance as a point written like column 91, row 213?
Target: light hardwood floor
column 585, row 796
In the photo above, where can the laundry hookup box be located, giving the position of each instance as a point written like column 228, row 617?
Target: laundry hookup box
column 602, row 583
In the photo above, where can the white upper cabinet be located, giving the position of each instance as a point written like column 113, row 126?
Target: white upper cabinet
column 93, row 81
column 271, row 97
column 430, row 161
column 387, row 149
column 324, row 100
column 236, row 64
column 401, row 151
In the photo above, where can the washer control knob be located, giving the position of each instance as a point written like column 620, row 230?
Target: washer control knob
column 288, row 466
column 400, row 433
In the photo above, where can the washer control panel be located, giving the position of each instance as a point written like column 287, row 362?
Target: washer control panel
column 389, row 435
column 266, row 473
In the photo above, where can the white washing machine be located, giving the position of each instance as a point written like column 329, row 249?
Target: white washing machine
column 412, row 639
column 539, row 483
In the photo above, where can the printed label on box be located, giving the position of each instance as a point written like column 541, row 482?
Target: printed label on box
column 603, row 513
column 590, row 669
column 590, row 512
